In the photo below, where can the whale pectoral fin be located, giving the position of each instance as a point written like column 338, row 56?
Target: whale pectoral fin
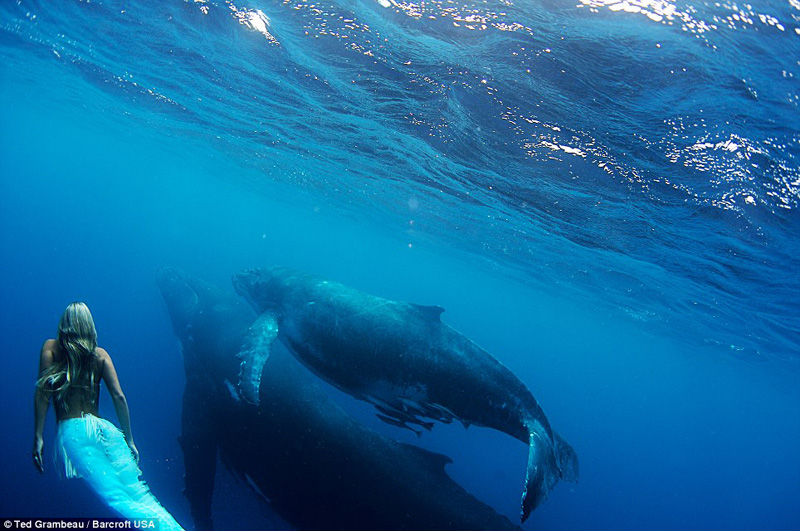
column 567, row 459
column 254, row 353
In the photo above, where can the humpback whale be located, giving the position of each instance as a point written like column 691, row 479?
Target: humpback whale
column 313, row 463
column 403, row 359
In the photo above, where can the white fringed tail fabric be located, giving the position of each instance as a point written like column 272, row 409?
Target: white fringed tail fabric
column 94, row 449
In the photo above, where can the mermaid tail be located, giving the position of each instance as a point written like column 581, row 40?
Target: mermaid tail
column 94, row 449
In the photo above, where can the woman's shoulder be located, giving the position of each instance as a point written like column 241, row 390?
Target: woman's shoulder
column 50, row 351
column 51, row 345
column 101, row 359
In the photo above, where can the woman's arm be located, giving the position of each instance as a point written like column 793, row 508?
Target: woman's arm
column 41, row 403
column 120, row 402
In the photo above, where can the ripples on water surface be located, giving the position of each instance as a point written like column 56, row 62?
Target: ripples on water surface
column 643, row 150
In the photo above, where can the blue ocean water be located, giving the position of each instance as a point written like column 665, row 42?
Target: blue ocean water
column 603, row 194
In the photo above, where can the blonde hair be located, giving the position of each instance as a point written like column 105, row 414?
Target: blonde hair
column 77, row 338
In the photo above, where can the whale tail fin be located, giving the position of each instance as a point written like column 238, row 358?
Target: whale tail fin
column 546, row 465
column 542, row 474
column 567, row 459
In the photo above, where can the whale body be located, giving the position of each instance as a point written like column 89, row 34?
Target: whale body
column 314, row 464
column 403, row 359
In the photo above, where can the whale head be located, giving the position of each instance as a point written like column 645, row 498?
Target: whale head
column 265, row 289
column 204, row 318
column 181, row 297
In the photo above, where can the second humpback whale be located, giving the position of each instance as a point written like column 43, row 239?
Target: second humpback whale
column 403, row 359
column 317, row 466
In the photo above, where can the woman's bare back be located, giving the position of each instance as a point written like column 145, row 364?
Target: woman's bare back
column 82, row 397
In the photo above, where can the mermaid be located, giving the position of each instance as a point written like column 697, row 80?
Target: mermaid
column 86, row 445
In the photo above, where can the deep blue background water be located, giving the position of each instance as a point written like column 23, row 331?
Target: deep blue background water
column 605, row 200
